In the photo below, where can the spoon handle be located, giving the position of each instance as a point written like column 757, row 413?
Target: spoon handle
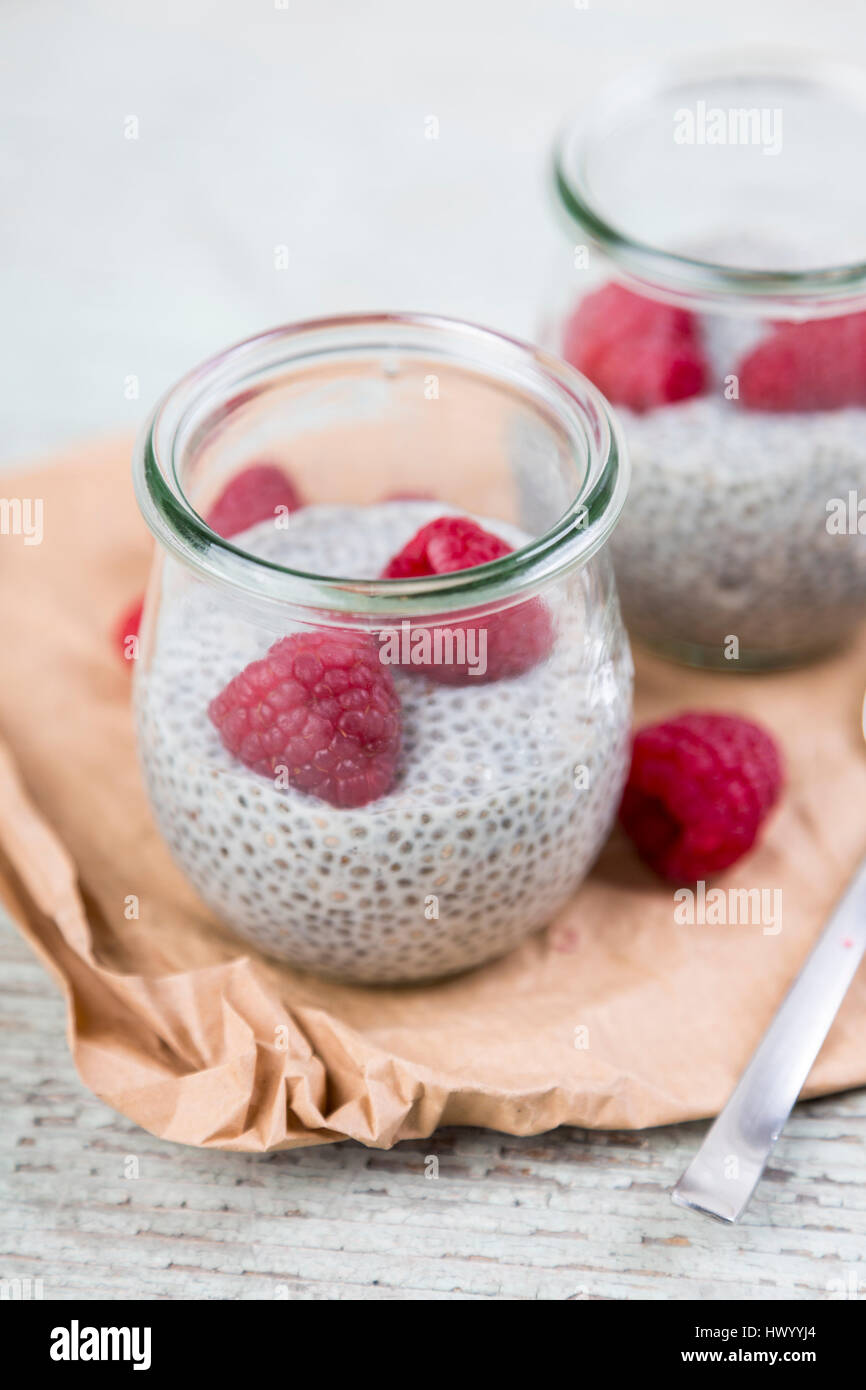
column 724, row 1172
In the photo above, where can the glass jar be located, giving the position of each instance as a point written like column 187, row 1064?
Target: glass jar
column 714, row 287
column 452, row 808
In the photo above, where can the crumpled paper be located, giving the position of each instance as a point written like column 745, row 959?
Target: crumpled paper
column 616, row 1017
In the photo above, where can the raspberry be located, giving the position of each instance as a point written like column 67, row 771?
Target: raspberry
column 516, row 639
column 699, row 788
column 250, row 497
column 639, row 352
column 127, row 626
column 818, row 365
column 320, row 705
column 442, row 546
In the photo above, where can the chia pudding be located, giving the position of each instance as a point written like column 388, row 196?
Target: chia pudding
column 726, row 532
column 721, row 309
column 503, row 796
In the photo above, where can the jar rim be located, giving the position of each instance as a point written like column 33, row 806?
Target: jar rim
column 824, row 289
column 571, row 540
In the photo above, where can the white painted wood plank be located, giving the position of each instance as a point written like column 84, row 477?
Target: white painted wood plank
column 566, row 1215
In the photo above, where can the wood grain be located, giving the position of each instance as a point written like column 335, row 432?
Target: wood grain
column 572, row 1214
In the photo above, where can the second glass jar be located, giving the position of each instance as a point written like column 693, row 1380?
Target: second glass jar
column 714, row 288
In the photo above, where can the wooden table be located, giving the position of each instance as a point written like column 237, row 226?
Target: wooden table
column 572, row 1214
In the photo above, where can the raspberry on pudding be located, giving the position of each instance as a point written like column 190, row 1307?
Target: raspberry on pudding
column 725, row 532
column 254, row 494
column 506, row 644
column 639, row 352
column 338, row 802
column 722, row 310
column 803, row 367
column 320, row 707
column 260, row 490
column 422, row 830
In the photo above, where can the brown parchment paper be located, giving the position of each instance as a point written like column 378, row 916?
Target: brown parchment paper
column 175, row 1025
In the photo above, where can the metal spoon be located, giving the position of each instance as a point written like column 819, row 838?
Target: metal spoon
column 724, row 1172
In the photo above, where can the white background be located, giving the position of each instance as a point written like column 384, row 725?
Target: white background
column 301, row 126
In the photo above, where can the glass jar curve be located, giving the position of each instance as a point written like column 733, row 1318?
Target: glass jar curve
column 721, row 195
column 508, row 775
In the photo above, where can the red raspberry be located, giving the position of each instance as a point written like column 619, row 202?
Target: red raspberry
column 639, row 352
column 321, row 705
column 442, row 546
column 127, row 626
column 818, row 365
column 699, row 788
column 250, row 497
column 516, row 639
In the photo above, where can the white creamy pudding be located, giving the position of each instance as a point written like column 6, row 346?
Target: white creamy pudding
column 504, row 792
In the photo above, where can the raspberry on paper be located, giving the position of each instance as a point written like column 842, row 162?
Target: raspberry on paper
column 128, row 626
column 699, row 789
